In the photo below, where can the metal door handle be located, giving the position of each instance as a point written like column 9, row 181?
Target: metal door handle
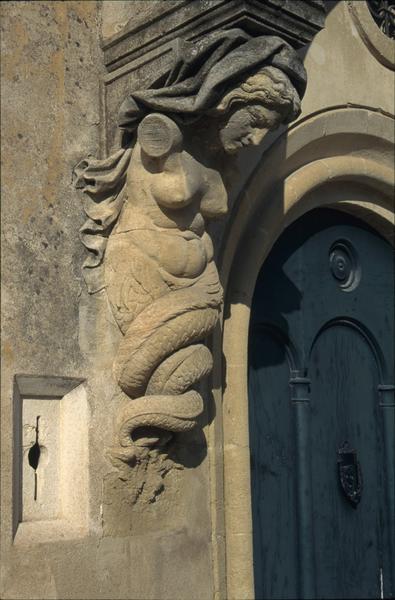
column 350, row 475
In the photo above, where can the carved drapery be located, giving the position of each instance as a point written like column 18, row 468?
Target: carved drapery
column 147, row 208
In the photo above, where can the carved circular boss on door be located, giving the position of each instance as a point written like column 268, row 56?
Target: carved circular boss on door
column 344, row 265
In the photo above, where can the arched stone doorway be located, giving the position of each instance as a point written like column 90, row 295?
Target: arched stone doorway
column 339, row 158
column 321, row 411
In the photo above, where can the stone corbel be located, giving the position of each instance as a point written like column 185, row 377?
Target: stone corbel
column 147, row 208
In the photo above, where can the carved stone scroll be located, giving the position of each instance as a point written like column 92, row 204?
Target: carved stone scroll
column 147, row 211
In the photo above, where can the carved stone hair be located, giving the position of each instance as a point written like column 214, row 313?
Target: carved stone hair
column 268, row 86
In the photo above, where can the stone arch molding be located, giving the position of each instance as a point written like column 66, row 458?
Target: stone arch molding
column 340, row 158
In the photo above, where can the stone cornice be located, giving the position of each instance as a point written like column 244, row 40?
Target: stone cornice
column 296, row 21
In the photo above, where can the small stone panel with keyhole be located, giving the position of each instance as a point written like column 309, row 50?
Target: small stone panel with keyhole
column 41, row 458
column 50, row 458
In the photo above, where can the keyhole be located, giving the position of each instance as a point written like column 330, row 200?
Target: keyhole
column 34, row 457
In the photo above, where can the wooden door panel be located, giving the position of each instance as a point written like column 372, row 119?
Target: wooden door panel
column 273, row 466
column 321, row 373
column 344, row 404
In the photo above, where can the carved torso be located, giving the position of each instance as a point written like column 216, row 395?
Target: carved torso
column 159, row 243
column 147, row 222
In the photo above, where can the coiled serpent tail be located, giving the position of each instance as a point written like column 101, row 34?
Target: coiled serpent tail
column 159, row 361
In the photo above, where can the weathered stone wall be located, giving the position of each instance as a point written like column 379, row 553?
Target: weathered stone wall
column 137, row 538
column 130, row 545
column 50, row 113
column 50, row 88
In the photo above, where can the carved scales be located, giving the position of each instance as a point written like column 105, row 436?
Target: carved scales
column 147, row 209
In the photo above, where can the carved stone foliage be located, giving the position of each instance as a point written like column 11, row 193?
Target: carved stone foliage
column 147, row 207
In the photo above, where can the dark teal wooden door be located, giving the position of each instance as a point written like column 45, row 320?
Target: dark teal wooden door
column 321, row 358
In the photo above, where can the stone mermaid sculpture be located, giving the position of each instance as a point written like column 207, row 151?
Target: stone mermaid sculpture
column 147, row 209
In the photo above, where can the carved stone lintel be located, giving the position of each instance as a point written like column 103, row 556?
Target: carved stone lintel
column 295, row 21
column 148, row 207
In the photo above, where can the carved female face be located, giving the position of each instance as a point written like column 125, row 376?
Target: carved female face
column 247, row 125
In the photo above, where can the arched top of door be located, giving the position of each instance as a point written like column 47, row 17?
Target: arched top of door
column 344, row 154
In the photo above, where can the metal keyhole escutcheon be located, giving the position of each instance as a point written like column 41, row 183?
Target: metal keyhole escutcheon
column 350, row 475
